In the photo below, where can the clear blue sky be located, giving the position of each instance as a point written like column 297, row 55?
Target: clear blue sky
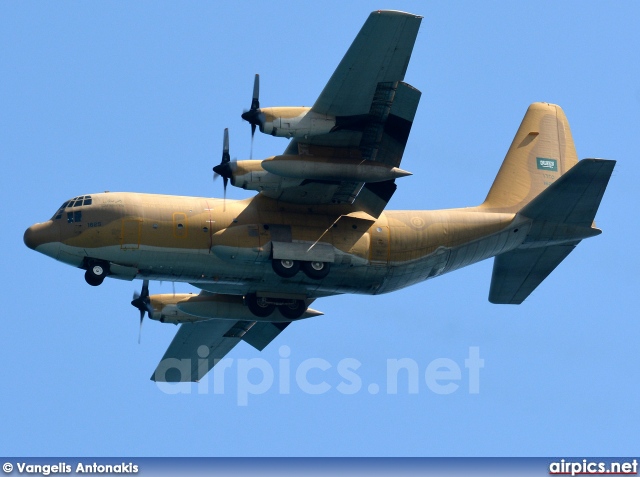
column 134, row 96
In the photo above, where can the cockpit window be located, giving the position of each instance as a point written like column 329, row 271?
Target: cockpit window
column 75, row 202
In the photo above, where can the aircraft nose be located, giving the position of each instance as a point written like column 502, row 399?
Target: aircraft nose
column 40, row 234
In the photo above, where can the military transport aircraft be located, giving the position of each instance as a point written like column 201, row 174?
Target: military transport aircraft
column 317, row 226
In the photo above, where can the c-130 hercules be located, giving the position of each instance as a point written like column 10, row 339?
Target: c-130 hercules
column 317, row 226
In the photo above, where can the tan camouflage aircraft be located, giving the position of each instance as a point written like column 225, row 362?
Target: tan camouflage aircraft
column 317, row 226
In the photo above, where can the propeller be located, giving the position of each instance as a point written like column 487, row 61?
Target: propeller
column 224, row 168
column 142, row 302
column 254, row 116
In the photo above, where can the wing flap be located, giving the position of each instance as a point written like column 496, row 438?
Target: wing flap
column 389, row 123
column 263, row 333
column 374, row 196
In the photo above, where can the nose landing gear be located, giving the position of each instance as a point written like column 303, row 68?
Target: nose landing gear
column 96, row 273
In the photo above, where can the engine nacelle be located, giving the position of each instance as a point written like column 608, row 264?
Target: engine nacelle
column 295, row 122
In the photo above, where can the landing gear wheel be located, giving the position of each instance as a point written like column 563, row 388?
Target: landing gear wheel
column 258, row 306
column 285, row 268
column 95, row 274
column 294, row 310
column 316, row 270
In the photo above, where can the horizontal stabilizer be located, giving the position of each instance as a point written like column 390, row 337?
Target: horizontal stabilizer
column 561, row 215
column 574, row 198
column 517, row 273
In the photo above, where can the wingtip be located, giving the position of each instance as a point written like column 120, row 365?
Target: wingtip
column 396, row 12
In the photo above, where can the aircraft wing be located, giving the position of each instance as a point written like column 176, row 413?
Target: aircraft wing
column 374, row 111
column 198, row 346
column 380, row 53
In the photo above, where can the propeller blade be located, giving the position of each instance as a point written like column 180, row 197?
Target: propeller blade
column 145, row 288
column 254, row 116
column 225, row 147
column 255, row 100
column 143, row 303
column 225, row 181
column 224, row 169
column 140, row 329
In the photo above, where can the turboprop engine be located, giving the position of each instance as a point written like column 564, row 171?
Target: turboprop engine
column 280, row 172
column 285, row 121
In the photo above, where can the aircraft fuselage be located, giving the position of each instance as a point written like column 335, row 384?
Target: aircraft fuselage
column 227, row 246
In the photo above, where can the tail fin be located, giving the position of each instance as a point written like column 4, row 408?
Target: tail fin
column 541, row 152
column 542, row 180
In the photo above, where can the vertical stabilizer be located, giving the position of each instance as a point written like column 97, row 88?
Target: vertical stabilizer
column 541, row 152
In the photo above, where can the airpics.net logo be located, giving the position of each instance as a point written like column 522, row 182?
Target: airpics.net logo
column 546, row 164
column 316, row 376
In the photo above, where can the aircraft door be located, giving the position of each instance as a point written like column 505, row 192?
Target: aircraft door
column 130, row 236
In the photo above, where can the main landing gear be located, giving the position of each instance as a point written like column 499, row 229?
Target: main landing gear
column 289, row 268
column 262, row 307
column 285, row 268
column 96, row 273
